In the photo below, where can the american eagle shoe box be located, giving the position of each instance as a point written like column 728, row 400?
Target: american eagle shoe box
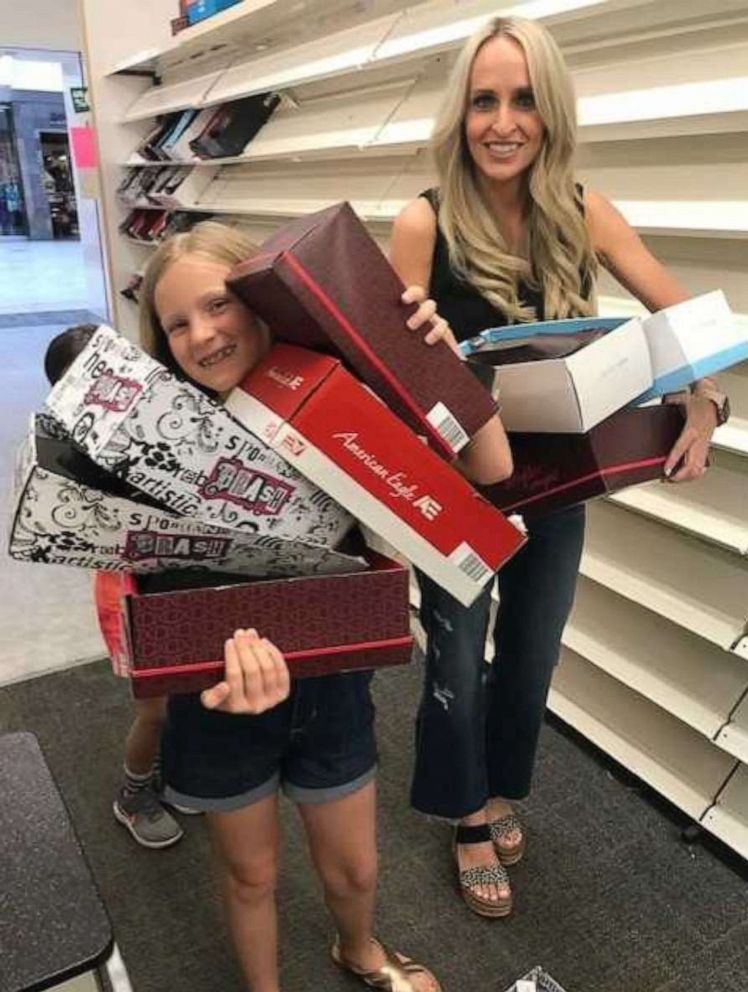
column 691, row 340
column 341, row 436
column 67, row 511
column 553, row 471
column 322, row 624
column 166, row 438
column 575, row 378
column 322, row 282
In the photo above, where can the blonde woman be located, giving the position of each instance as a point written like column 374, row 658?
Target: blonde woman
column 508, row 236
column 230, row 750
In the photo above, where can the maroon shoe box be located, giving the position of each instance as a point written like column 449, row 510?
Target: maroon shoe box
column 553, row 471
column 323, row 283
column 322, row 624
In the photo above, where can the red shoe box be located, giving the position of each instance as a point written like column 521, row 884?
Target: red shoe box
column 553, row 471
column 339, row 435
column 322, row 624
column 322, row 282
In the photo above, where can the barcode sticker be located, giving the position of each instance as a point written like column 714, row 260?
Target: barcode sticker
column 447, row 426
column 470, row 563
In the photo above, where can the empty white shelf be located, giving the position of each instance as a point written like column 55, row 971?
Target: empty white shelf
column 693, row 584
column 321, row 58
column 671, row 757
column 294, row 190
column 728, row 818
column 178, row 95
column 694, row 680
column 733, row 737
column 733, row 436
column 699, row 218
column 713, row 507
column 214, row 32
column 339, row 123
column 734, row 382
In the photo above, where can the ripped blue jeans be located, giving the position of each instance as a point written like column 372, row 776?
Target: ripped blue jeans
column 478, row 724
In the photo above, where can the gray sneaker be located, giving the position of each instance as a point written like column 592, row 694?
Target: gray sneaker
column 146, row 819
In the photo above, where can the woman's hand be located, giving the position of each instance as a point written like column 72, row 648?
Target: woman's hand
column 256, row 677
column 438, row 328
column 692, row 447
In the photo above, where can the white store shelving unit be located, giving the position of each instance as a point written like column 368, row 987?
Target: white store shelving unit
column 667, row 754
column 693, row 584
column 655, row 667
column 727, row 818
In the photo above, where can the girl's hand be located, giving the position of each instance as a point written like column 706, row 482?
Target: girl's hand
column 437, row 328
column 692, row 447
column 256, row 677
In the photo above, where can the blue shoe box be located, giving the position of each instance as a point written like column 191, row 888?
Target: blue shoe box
column 199, row 10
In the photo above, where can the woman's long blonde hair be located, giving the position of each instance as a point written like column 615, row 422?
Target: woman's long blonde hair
column 562, row 262
column 218, row 242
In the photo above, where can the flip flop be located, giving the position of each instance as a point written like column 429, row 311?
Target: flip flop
column 394, row 976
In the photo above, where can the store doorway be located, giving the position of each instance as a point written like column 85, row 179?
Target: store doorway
column 51, row 260
column 58, row 184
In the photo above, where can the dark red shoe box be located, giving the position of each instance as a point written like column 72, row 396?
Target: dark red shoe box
column 553, row 471
column 322, row 624
column 322, row 282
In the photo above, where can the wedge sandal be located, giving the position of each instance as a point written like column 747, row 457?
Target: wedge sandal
column 471, row 878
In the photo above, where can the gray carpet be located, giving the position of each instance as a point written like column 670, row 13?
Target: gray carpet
column 609, row 899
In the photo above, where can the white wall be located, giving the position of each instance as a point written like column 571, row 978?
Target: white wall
column 40, row 24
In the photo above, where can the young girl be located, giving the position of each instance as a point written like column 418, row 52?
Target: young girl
column 509, row 237
column 229, row 750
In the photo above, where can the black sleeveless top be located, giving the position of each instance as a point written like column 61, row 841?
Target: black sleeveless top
column 466, row 310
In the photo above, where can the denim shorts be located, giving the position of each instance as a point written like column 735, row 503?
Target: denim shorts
column 318, row 744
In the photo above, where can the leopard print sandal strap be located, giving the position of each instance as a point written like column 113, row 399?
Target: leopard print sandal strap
column 499, row 830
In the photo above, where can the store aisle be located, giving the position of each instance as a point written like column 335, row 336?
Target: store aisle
column 46, row 617
column 38, row 276
column 609, row 899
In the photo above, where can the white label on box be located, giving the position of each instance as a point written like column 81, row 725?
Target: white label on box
column 447, row 426
column 470, row 563
column 524, row 986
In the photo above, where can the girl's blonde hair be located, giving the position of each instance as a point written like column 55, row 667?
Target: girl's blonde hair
column 562, row 262
column 218, row 242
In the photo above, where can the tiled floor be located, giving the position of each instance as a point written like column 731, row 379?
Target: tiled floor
column 46, row 618
column 43, row 275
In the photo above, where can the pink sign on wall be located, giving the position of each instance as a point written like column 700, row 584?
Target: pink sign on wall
column 84, row 147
